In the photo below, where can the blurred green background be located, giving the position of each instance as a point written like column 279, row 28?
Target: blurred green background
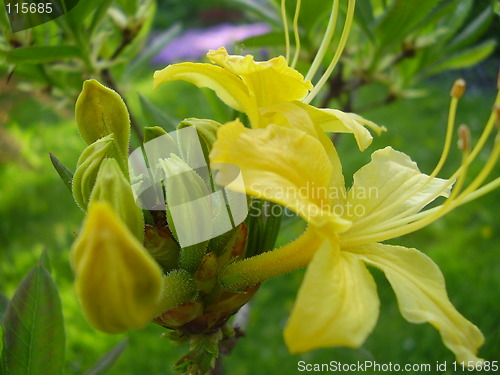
column 38, row 213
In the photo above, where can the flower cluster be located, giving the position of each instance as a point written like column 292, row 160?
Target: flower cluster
column 131, row 266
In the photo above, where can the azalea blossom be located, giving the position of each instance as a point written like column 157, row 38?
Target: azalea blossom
column 263, row 90
column 337, row 304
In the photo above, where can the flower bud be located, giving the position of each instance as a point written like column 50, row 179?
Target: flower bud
column 86, row 169
column 100, row 111
column 162, row 246
column 152, row 132
column 112, row 187
column 207, row 132
column 117, row 281
column 189, row 210
column 206, row 275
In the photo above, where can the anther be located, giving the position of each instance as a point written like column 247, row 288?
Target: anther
column 458, row 88
column 464, row 138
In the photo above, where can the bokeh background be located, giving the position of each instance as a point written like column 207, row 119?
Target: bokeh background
column 38, row 213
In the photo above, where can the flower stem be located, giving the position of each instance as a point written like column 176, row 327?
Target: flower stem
column 254, row 270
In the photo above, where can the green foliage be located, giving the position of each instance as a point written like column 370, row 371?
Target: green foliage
column 94, row 39
column 34, row 329
column 108, row 360
column 394, row 43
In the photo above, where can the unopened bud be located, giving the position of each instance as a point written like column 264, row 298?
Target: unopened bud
column 180, row 315
column 464, row 138
column 458, row 88
column 152, row 132
column 86, row 169
column 112, row 187
column 99, row 112
column 206, row 275
column 189, row 210
column 162, row 246
column 117, row 281
column 207, row 132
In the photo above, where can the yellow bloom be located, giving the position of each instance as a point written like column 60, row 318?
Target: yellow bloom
column 337, row 304
column 118, row 282
column 264, row 90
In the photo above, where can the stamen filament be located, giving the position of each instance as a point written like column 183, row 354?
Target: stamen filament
column 285, row 29
column 410, row 224
column 325, row 43
column 296, row 33
column 256, row 269
column 488, row 167
column 444, row 155
column 343, row 40
column 485, row 189
column 449, row 135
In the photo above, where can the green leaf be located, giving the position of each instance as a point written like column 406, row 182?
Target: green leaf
column 65, row 174
column 108, row 360
column 143, row 60
column 401, row 18
column 81, row 11
column 466, row 58
column 42, row 54
column 260, row 10
column 155, row 116
column 473, row 30
column 4, row 302
column 272, row 39
column 34, row 328
column 363, row 15
column 101, row 11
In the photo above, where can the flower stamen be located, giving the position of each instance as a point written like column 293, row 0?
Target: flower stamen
column 285, row 29
column 401, row 224
column 338, row 52
column 325, row 43
column 456, row 93
column 296, row 34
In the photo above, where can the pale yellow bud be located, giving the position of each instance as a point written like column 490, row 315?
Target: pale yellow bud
column 118, row 282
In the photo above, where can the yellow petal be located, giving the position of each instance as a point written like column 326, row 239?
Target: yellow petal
column 228, row 87
column 332, row 120
column 298, row 116
column 283, row 165
column 421, row 293
column 118, row 282
column 391, row 182
column 337, row 304
column 269, row 82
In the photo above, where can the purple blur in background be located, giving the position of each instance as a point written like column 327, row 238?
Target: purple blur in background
column 195, row 43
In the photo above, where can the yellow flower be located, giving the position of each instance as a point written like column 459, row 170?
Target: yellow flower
column 118, row 282
column 337, row 304
column 267, row 91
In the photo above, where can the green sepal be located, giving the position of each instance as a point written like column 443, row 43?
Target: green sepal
column 178, row 288
column 65, row 174
column 206, row 275
column 112, row 187
column 99, row 112
column 87, row 167
column 162, row 246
